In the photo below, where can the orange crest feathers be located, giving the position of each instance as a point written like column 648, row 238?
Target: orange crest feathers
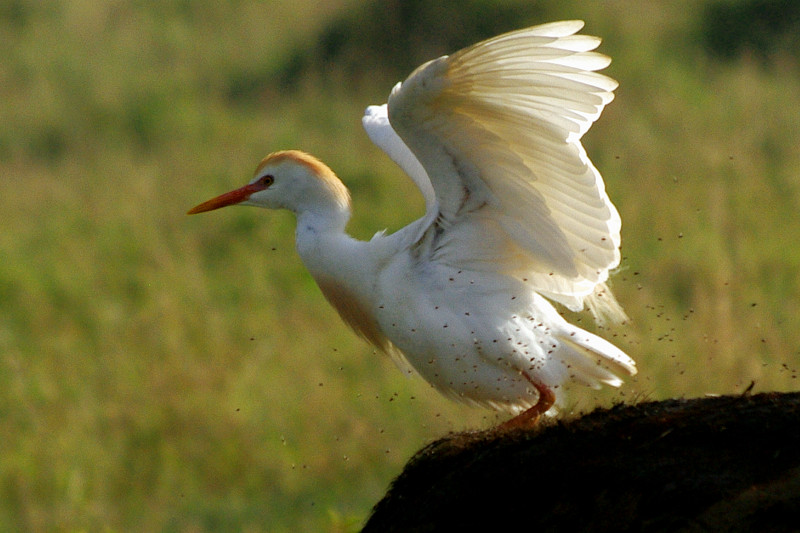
column 317, row 168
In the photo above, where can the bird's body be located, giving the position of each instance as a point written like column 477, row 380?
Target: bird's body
column 515, row 212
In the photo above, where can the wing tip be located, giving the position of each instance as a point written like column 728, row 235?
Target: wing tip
column 559, row 28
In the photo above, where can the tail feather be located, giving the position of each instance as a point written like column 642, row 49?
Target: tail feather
column 593, row 360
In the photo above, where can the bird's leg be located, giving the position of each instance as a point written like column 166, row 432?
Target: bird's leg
column 530, row 416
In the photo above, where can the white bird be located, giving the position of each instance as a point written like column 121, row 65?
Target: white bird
column 515, row 212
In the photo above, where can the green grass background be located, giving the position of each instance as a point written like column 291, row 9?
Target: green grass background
column 160, row 372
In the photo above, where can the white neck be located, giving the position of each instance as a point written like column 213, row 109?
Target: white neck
column 331, row 220
column 320, row 237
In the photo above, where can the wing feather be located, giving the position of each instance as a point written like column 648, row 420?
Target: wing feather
column 497, row 128
column 380, row 132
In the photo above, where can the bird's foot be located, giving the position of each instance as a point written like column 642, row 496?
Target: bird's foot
column 529, row 417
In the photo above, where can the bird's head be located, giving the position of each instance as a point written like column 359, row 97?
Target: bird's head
column 290, row 180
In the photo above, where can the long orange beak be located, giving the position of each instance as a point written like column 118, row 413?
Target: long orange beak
column 229, row 198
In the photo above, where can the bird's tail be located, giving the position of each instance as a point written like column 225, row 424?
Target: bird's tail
column 591, row 360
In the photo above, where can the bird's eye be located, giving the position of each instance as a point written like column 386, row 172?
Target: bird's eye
column 267, row 180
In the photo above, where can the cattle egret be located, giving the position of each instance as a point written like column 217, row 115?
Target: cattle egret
column 515, row 213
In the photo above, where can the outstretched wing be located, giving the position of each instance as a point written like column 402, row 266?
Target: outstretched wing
column 496, row 128
column 376, row 124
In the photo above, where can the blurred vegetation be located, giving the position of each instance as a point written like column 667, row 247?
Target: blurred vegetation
column 168, row 373
column 758, row 27
column 383, row 41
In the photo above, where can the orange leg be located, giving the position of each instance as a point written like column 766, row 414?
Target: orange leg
column 529, row 417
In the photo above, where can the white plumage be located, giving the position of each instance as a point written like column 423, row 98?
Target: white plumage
column 515, row 212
